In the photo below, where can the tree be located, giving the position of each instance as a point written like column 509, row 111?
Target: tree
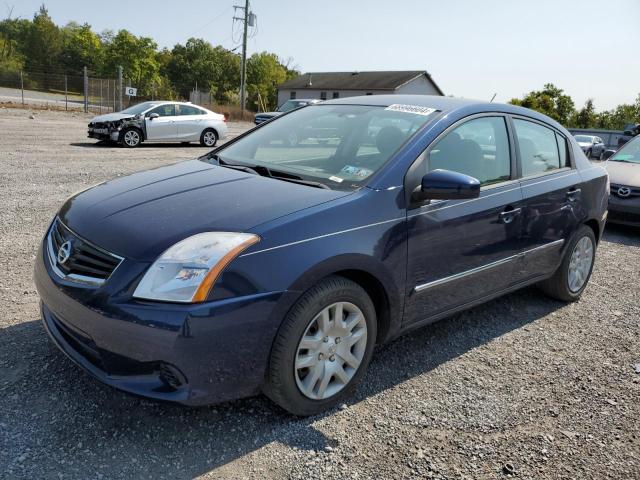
column 550, row 101
column 81, row 47
column 138, row 58
column 265, row 72
column 43, row 43
column 586, row 117
column 212, row 69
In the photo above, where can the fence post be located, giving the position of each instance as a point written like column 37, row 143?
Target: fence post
column 100, row 95
column 66, row 99
column 86, row 90
column 120, row 86
column 22, row 86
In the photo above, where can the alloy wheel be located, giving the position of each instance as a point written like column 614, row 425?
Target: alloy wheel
column 209, row 138
column 580, row 264
column 132, row 138
column 330, row 351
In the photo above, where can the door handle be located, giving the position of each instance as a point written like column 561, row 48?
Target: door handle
column 509, row 215
column 573, row 194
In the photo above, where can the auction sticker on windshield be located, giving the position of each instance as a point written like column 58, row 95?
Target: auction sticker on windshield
column 396, row 107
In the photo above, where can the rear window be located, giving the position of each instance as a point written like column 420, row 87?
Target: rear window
column 538, row 148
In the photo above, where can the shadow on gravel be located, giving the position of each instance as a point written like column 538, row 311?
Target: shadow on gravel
column 622, row 234
column 143, row 145
column 57, row 419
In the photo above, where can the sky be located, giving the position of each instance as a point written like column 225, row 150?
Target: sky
column 472, row 48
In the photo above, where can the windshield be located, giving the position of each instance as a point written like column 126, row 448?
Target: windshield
column 583, row 139
column 340, row 146
column 290, row 105
column 139, row 108
column 630, row 152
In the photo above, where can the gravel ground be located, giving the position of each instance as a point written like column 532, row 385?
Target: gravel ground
column 522, row 387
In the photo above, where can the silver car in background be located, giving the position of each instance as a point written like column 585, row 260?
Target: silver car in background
column 591, row 145
column 160, row 121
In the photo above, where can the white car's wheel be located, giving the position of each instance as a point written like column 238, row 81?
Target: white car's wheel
column 209, row 138
column 131, row 137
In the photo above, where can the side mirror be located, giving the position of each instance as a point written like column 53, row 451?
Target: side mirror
column 153, row 115
column 448, row 185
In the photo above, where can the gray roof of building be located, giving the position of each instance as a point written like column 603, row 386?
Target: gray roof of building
column 355, row 80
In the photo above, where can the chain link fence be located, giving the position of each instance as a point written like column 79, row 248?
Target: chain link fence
column 68, row 91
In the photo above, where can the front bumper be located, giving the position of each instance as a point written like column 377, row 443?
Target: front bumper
column 112, row 135
column 625, row 211
column 191, row 354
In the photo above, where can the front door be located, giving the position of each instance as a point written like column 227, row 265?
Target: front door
column 164, row 127
column 460, row 251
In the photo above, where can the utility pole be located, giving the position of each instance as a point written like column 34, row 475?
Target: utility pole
column 247, row 19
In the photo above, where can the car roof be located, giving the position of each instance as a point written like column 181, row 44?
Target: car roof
column 444, row 104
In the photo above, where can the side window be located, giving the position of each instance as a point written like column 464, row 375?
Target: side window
column 562, row 150
column 164, row 110
column 187, row 110
column 478, row 148
column 538, row 148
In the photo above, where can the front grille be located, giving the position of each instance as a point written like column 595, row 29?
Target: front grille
column 633, row 191
column 82, row 262
column 98, row 125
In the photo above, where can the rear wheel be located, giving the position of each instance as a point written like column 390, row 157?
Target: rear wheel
column 322, row 348
column 131, row 137
column 208, row 138
column 571, row 278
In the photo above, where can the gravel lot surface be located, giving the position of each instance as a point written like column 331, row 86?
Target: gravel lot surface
column 523, row 387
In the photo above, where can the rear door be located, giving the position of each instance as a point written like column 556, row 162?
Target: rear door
column 460, row 251
column 551, row 193
column 164, row 127
column 189, row 121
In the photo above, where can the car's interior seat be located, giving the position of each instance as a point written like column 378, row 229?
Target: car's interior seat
column 389, row 139
column 459, row 155
column 530, row 157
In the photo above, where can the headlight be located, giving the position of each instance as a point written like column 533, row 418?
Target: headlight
column 187, row 271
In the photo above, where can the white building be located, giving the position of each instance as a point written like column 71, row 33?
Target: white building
column 328, row 85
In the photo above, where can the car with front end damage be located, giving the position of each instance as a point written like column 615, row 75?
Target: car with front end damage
column 276, row 267
column 159, row 122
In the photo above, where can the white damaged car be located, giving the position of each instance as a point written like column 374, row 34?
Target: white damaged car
column 160, row 122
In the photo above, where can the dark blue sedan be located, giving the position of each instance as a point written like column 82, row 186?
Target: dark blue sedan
column 276, row 266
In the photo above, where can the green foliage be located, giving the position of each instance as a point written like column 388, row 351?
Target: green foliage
column 551, row 101
column 41, row 46
column 212, row 69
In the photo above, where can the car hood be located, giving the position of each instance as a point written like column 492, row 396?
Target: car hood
column 141, row 215
column 111, row 117
column 621, row 173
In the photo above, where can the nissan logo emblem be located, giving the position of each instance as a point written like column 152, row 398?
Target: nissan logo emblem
column 624, row 191
column 64, row 252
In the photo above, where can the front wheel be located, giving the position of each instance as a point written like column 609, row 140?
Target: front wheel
column 131, row 137
column 589, row 154
column 323, row 347
column 208, row 138
column 571, row 278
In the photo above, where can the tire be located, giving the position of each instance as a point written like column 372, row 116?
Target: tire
column 131, row 137
column 286, row 373
column 601, row 156
column 209, row 138
column 589, row 154
column 560, row 286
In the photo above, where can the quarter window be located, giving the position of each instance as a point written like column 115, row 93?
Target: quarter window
column 478, row 148
column 538, row 148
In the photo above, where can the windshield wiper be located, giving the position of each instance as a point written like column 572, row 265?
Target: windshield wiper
column 235, row 166
column 266, row 172
column 309, row 183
